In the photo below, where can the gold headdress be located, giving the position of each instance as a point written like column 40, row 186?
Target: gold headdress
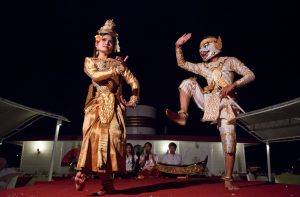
column 109, row 28
column 212, row 39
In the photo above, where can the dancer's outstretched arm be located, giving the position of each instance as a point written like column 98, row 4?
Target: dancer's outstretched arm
column 192, row 67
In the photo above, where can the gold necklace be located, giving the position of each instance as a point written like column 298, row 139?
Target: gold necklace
column 101, row 64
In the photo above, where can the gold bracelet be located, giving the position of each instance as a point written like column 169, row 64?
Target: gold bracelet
column 119, row 72
column 133, row 99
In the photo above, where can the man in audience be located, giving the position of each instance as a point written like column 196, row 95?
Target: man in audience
column 171, row 157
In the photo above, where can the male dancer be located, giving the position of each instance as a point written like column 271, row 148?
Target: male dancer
column 216, row 99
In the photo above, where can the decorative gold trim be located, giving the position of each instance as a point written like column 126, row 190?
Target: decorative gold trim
column 183, row 169
column 192, row 169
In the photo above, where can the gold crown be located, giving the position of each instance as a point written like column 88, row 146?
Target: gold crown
column 109, row 28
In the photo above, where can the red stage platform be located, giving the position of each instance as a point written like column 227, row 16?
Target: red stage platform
column 157, row 187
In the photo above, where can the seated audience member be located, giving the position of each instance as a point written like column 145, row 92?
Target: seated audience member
column 131, row 163
column 171, row 157
column 148, row 161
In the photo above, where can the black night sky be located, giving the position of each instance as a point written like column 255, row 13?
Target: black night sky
column 45, row 45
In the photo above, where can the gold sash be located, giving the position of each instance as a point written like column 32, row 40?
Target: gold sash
column 211, row 107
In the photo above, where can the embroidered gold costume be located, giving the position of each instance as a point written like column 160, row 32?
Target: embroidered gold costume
column 104, row 135
column 219, row 74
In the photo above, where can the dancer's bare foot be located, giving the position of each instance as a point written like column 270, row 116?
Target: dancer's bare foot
column 176, row 117
column 228, row 183
column 80, row 180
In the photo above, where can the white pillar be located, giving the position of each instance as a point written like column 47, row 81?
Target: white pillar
column 58, row 124
column 268, row 161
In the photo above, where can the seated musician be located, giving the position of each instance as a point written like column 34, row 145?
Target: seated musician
column 148, row 161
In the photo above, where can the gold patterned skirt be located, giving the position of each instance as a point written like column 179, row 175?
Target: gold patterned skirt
column 103, row 145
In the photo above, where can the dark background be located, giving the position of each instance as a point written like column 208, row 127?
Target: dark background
column 44, row 45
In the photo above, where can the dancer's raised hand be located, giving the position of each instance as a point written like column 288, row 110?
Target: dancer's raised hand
column 122, row 66
column 183, row 39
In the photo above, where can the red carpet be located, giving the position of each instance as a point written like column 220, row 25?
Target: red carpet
column 157, row 187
